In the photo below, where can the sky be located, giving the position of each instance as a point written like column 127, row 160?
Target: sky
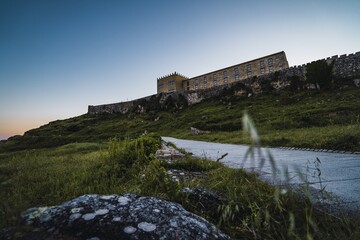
column 59, row 56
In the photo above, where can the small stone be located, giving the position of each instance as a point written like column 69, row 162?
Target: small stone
column 129, row 230
column 156, row 210
column 116, row 219
column 147, row 227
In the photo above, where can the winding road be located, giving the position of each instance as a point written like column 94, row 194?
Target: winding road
column 338, row 173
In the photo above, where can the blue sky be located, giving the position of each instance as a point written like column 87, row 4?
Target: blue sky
column 58, row 57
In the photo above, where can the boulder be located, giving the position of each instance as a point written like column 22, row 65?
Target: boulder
column 205, row 200
column 127, row 216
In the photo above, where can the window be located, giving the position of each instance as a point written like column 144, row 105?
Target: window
column 262, row 70
column 205, row 79
column 196, row 87
column 271, row 69
column 196, row 82
column 270, row 61
column 248, row 67
column 236, row 70
column 237, row 77
column 171, row 82
column 215, row 76
column 225, row 75
column 187, row 83
column 249, row 74
column 161, row 85
column 171, row 90
column 215, row 82
column 262, row 64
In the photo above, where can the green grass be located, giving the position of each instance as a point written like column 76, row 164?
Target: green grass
column 327, row 119
column 46, row 177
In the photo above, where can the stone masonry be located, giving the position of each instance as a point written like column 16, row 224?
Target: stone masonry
column 345, row 67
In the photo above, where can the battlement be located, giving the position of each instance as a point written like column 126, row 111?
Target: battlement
column 174, row 74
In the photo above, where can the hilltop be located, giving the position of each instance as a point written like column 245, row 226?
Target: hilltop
column 307, row 118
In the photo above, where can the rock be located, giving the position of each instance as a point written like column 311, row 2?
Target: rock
column 118, row 217
column 181, row 175
column 169, row 153
column 195, row 131
column 206, row 200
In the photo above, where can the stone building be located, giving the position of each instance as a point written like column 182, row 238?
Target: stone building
column 170, row 83
column 257, row 67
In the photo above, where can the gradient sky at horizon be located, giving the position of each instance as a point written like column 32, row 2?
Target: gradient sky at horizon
column 58, row 57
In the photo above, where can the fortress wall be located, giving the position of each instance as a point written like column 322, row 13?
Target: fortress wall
column 344, row 67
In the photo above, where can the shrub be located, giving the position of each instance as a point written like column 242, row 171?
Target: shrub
column 319, row 73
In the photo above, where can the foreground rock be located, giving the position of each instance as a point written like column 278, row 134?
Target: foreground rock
column 118, row 217
column 205, row 200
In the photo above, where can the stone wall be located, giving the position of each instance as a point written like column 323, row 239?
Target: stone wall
column 345, row 67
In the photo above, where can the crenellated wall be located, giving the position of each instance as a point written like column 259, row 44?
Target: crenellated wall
column 344, row 67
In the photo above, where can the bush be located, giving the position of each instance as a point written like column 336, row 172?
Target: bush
column 319, row 73
column 126, row 152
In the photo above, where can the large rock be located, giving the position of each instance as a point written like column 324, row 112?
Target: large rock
column 205, row 200
column 118, row 217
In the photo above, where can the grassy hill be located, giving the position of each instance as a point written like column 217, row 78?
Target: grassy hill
column 313, row 119
column 68, row 158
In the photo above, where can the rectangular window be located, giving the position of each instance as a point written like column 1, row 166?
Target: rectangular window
column 187, row 83
column 161, row 85
column 271, row 69
column 225, row 75
column 196, row 82
column 262, row 63
column 215, row 82
column 171, row 82
column 236, row 70
column 237, row 77
column 188, row 88
column 205, row 79
column 249, row 74
column 248, row 67
column 270, row 61
column 262, row 70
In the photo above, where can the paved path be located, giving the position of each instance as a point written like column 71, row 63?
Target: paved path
column 340, row 173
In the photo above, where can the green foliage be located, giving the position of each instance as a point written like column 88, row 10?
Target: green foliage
column 156, row 182
column 319, row 73
column 193, row 164
column 312, row 116
column 254, row 209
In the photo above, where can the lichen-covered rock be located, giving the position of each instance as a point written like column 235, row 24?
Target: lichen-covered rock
column 117, row 217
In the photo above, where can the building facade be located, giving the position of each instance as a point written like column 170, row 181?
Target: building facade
column 257, row 67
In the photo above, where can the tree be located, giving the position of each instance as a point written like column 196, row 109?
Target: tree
column 319, row 73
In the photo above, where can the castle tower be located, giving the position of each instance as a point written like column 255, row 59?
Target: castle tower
column 170, row 83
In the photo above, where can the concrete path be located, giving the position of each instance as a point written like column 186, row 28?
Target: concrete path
column 340, row 173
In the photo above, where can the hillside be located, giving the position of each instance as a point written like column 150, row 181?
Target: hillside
column 313, row 119
column 66, row 159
